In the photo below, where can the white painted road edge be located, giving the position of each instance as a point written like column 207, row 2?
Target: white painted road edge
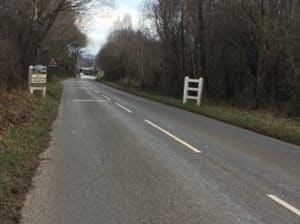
column 174, row 137
column 124, row 108
column 284, row 204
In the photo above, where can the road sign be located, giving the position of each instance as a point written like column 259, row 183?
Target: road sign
column 39, row 75
column 39, row 79
column 52, row 63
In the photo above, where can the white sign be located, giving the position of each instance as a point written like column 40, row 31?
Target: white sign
column 39, row 79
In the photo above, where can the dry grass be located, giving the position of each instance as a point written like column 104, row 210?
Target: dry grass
column 16, row 107
column 25, row 124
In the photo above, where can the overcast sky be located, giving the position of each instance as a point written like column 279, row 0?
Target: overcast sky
column 97, row 23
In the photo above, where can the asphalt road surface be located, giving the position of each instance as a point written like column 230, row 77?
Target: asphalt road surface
column 119, row 158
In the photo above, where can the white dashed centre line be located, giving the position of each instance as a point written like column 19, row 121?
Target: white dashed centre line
column 102, row 101
column 106, row 97
column 124, row 108
column 284, row 204
column 174, row 137
column 78, row 100
column 96, row 91
column 84, row 88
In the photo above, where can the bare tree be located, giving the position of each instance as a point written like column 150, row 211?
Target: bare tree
column 247, row 50
column 24, row 25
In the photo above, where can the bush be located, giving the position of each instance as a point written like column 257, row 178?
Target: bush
column 294, row 104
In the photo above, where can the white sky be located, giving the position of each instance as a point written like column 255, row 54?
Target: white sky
column 97, row 23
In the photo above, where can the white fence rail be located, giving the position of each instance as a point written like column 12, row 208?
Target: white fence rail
column 188, row 89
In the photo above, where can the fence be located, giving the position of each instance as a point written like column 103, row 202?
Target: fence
column 188, row 89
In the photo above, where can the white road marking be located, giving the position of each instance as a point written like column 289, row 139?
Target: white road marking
column 284, row 204
column 106, row 97
column 96, row 91
column 174, row 137
column 83, row 88
column 79, row 100
column 97, row 101
column 88, row 86
column 102, row 101
column 124, row 108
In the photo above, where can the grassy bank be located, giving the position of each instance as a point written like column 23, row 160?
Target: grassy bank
column 25, row 126
column 264, row 122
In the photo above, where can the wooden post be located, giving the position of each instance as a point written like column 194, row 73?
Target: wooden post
column 44, row 91
column 30, row 69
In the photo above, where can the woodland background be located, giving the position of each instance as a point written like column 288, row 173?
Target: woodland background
column 248, row 51
column 34, row 31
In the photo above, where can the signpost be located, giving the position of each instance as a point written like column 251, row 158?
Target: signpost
column 37, row 78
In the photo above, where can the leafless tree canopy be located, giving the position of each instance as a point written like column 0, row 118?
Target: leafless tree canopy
column 248, row 51
column 33, row 31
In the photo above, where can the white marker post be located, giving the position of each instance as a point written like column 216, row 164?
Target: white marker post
column 198, row 90
column 37, row 80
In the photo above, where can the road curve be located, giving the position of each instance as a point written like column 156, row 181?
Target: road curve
column 119, row 158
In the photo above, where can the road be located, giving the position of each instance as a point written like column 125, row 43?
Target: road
column 119, row 158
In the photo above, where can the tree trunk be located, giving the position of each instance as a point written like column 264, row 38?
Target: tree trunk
column 182, row 36
column 202, row 44
column 262, row 53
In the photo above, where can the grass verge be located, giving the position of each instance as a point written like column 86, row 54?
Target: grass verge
column 263, row 122
column 20, row 146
